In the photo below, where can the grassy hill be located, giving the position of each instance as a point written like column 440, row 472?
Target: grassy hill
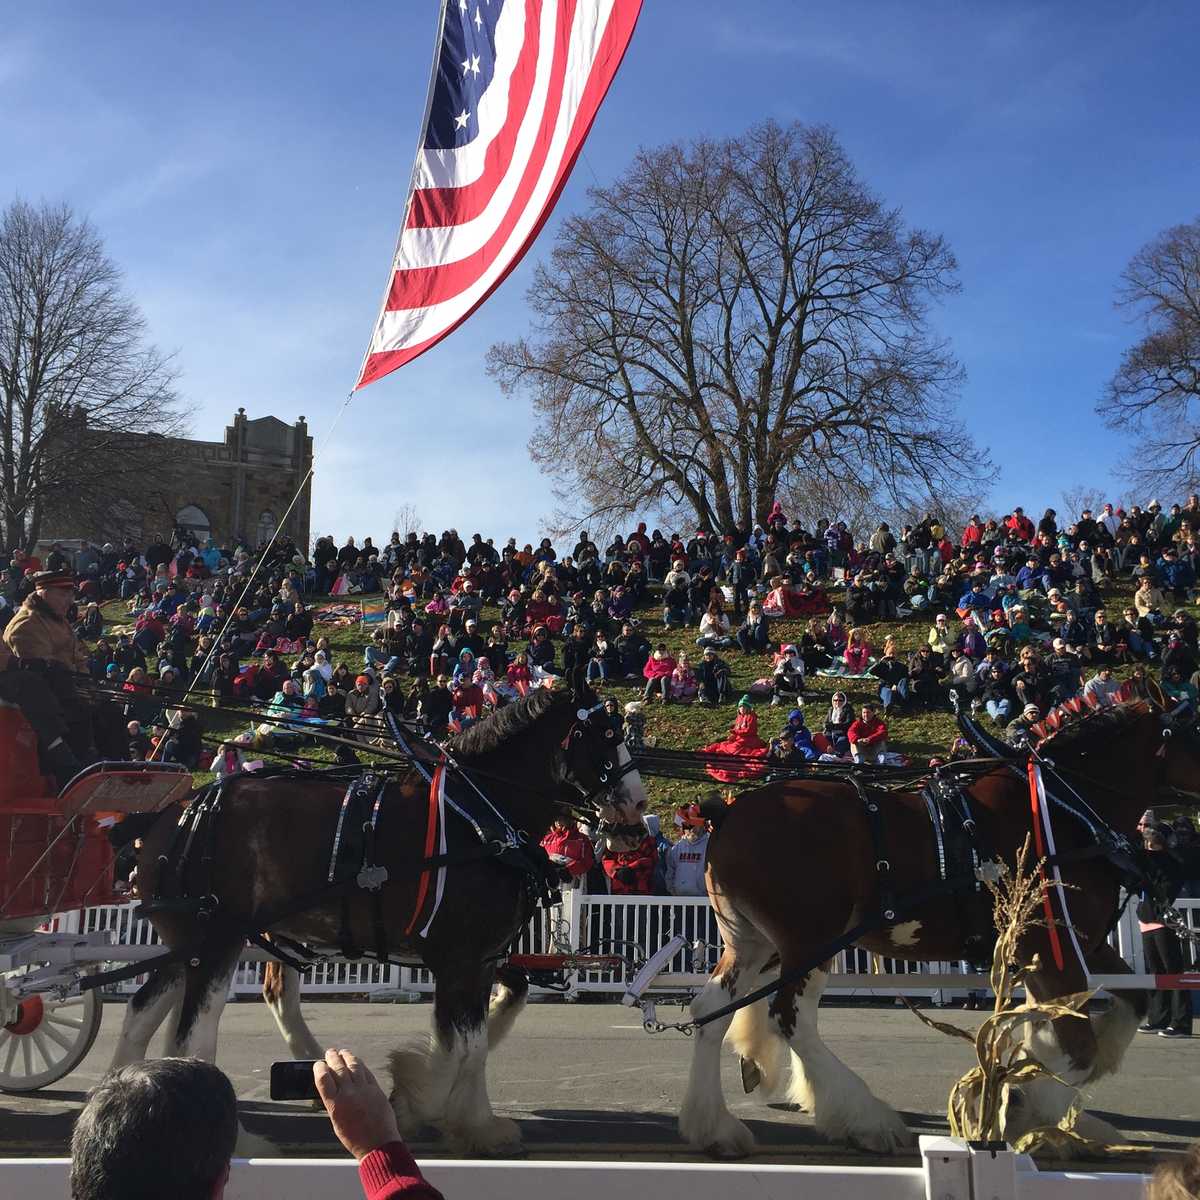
column 677, row 726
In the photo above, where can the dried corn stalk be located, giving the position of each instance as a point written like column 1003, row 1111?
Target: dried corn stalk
column 975, row 1107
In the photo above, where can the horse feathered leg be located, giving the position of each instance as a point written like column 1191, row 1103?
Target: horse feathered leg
column 704, row 1119
column 447, row 1084
column 206, row 988
column 149, row 1006
column 1078, row 1052
column 843, row 1107
column 512, row 990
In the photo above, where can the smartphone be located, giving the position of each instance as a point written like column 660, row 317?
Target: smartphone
column 293, row 1080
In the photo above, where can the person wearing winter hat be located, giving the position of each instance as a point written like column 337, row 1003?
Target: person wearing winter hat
column 685, row 859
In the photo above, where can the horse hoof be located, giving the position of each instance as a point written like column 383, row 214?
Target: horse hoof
column 890, row 1136
column 731, row 1140
column 498, row 1138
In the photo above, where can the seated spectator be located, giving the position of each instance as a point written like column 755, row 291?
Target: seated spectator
column 230, row 757
column 712, row 678
column 867, row 736
column 677, row 600
column 940, row 639
column 816, row 647
column 683, row 685
column 925, row 670
column 1182, row 696
column 139, row 741
column 893, row 678
column 787, row 679
column 1064, row 668
column 1148, row 600
column 856, row 657
column 714, row 627
column 634, row 727
column 657, row 673
column 783, row 752
column 1102, row 687
column 1107, row 646
column 995, row 688
column 600, row 661
column 837, row 723
column 1017, row 733
column 632, row 650
column 753, row 635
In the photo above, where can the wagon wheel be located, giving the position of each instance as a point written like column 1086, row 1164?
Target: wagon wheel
column 48, row 1039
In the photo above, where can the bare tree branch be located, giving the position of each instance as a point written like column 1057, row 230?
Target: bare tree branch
column 736, row 321
column 77, row 381
column 1155, row 390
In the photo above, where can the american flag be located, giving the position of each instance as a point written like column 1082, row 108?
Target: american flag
column 515, row 89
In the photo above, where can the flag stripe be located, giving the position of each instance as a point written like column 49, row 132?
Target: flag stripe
column 441, row 274
column 421, row 287
column 437, row 248
column 449, row 205
column 401, row 323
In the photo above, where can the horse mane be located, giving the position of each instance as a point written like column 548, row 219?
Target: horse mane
column 1080, row 720
column 505, row 723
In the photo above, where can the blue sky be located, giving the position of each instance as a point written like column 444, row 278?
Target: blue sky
column 246, row 165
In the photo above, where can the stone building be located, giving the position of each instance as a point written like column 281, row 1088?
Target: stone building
column 235, row 491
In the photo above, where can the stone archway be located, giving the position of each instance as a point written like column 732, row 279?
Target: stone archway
column 193, row 519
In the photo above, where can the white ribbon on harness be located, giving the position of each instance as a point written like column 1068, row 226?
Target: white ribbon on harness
column 1051, row 851
column 440, row 886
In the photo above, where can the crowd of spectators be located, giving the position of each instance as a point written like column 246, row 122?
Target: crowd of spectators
column 1009, row 616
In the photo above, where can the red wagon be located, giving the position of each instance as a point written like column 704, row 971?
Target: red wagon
column 55, row 858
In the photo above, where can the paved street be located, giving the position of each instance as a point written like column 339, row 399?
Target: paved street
column 584, row 1080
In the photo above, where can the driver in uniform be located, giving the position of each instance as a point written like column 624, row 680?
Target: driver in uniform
column 39, row 658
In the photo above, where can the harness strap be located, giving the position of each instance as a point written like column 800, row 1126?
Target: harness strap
column 436, row 785
column 883, row 867
column 1039, row 845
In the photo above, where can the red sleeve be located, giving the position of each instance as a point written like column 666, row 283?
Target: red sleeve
column 584, row 858
column 391, row 1171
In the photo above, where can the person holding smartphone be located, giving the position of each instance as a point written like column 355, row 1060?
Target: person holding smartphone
column 170, row 1125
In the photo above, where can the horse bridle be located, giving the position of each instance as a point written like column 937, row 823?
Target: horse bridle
column 611, row 772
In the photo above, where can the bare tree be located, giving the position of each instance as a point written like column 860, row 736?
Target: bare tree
column 1156, row 389
column 733, row 321
column 87, row 409
column 406, row 520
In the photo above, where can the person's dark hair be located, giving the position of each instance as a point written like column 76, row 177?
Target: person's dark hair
column 166, row 1127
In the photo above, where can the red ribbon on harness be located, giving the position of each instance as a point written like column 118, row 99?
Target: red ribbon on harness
column 1040, row 846
column 431, row 824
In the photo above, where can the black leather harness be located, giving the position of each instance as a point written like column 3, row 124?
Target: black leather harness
column 185, row 887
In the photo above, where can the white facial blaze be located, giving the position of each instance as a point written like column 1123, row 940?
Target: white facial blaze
column 630, row 792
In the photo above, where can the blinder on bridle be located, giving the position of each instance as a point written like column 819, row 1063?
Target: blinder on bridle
column 610, row 772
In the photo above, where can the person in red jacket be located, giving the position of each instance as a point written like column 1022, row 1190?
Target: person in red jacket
column 1020, row 524
column 973, row 533
column 867, row 736
column 569, row 849
column 631, row 872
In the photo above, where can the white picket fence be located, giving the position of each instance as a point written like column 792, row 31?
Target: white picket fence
column 633, row 925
